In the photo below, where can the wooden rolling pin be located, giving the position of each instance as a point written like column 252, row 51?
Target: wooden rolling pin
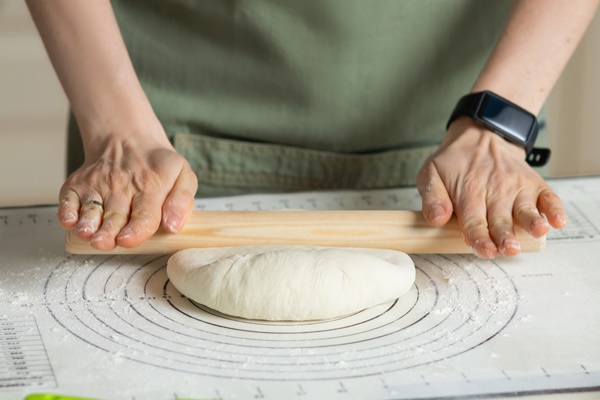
column 406, row 231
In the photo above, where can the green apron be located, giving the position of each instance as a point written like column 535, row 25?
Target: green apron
column 274, row 95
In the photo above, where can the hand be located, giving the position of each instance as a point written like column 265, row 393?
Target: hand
column 127, row 188
column 486, row 181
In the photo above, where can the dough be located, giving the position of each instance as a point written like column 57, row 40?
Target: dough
column 293, row 283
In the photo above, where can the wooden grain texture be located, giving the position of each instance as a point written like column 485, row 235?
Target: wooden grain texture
column 406, row 231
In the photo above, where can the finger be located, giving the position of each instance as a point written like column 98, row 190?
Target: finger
column 471, row 212
column 550, row 204
column 500, row 225
column 527, row 216
column 116, row 215
column 144, row 220
column 68, row 209
column 437, row 205
column 90, row 217
column 180, row 201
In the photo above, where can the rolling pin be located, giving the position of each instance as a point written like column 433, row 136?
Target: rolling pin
column 405, row 231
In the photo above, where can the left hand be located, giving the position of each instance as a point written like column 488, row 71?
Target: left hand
column 486, row 181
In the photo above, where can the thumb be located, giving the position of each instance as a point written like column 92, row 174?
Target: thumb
column 180, row 201
column 437, row 206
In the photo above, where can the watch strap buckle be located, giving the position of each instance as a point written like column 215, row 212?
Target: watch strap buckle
column 538, row 156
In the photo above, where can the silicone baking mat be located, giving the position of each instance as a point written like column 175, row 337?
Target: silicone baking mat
column 114, row 326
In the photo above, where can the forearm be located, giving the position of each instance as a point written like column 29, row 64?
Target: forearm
column 537, row 42
column 84, row 43
column 483, row 178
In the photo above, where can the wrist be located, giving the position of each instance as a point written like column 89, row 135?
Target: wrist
column 108, row 111
column 470, row 136
column 140, row 130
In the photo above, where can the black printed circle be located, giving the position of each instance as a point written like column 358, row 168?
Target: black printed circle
column 125, row 305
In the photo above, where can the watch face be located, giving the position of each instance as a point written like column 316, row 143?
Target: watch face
column 509, row 120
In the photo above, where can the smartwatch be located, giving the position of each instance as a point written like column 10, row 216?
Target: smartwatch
column 513, row 123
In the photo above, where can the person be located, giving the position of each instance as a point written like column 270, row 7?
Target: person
column 175, row 98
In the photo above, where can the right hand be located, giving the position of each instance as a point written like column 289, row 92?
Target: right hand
column 127, row 188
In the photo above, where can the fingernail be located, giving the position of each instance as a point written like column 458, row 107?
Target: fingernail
column 541, row 222
column 84, row 229
column 173, row 222
column 436, row 212
column 68, row 217
column 488, row 249
column 126, row 233
column 489, row 245
column 560, row 218
column 476, row 252
column 98, row 237
column 510, row 244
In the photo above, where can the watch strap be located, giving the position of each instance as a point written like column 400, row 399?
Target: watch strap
column 469, row 105
column 538, row 156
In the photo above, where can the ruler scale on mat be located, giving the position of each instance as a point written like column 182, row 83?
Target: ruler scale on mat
column 406, row 231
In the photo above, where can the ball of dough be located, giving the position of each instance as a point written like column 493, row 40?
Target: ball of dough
column 290, row 283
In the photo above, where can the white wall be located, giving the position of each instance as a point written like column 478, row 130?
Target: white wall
column 33, row 113
column 574, row 109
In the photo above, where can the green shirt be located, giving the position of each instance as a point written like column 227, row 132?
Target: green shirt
column 274, row 95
